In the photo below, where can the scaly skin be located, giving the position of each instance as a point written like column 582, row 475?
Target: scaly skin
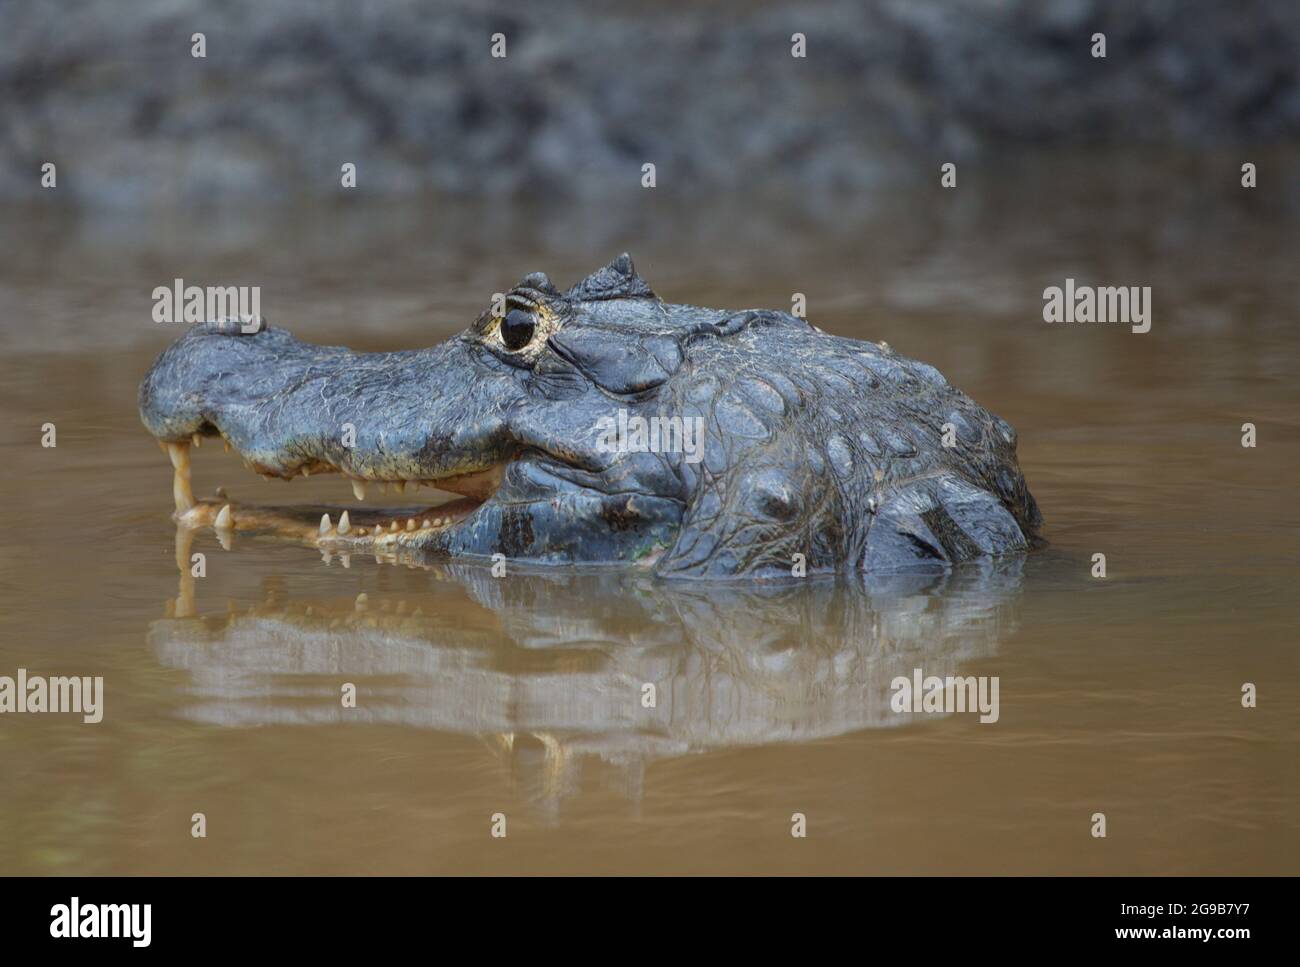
column 812, row 444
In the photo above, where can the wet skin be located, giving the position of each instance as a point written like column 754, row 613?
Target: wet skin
column 832, row 452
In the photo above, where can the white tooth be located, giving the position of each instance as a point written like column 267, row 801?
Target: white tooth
column 179, row 454
column 378, row 530
column 427, row 523
column 327, row 557
column 325, row 525
column 306, row 472
column 225, row 520
column 181, row 493
column 345, row 560
column 410, row 524
column 196, row 440
column 359, row 489
column 362, row 600
column 345, row 525
column 393, row 526
column 401, row 486
column 180, row 458
column 220, row 492
column 227, row 445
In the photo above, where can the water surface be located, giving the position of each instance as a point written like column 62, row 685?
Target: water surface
column 522, row 696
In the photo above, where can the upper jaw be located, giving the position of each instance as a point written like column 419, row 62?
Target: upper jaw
column 289, row 407
column 383, row 420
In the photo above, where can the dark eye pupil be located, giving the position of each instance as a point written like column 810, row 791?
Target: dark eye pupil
column 517, row 329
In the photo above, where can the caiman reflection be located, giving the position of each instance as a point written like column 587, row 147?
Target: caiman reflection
column 553, row 669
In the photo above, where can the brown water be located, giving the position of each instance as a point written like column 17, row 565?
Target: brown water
column 521, row 696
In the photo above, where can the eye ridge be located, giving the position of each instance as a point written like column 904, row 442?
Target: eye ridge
column 517, row 329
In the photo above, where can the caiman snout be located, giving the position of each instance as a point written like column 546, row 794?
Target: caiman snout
column 290, row 409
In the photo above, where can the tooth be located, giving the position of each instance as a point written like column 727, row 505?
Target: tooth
column 220, row 492
column 410, row 524
column 181, row 493
column 345, row 525
column 359, row 489
column 345, row 560
column 227, row 445
column 197, row 440
column 179, row 453
column 378, row 530
column 362, row 600
column 393, row 526
column 225, row 521
column 427, row 523
column 325, row 525
column 401, row 486
column 306, row 472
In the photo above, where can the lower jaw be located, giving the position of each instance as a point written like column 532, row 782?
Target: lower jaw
column 329, row 527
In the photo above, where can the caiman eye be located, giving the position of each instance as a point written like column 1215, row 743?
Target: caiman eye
column 517, row 329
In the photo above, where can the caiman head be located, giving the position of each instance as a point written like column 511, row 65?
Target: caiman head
column 602, row 425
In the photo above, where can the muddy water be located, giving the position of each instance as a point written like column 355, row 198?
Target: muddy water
column 521, row 696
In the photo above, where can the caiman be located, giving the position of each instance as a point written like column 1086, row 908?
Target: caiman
column 602, row 425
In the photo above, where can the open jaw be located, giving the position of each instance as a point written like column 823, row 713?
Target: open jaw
column 522, row 480
column 333, row 527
